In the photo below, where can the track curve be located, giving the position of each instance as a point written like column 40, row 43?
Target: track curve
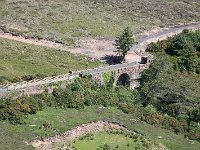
column 141, row 46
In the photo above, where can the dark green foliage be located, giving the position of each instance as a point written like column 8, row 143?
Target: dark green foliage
column 80, row 93
column 14, row 110
column 189, row 58
column 183, row 50
column 195, row 115
column 170, row 92
column 171, row 85
column 86, row 93
column 83, row 92
column 157, row 47
column 124, row 42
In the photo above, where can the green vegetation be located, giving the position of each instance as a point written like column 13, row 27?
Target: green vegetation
column 112, row 140
column 172, row 83
column 79, row 94
column 109, row 79
column 167, row 102
column 182, row 50
column 14, row 136
column 83, row 93
column 64, row 21
column 124, row 42
column 19, row 61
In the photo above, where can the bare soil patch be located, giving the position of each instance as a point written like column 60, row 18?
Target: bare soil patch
column 46, row 143
column 97, row 48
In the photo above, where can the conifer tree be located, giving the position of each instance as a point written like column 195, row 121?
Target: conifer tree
column 124, row 42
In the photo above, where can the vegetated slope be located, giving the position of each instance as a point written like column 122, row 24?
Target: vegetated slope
column 44, row 122
column 104, row 140
column 82, row 93
column 68, row 20
column 25, row 61
column 172, row 84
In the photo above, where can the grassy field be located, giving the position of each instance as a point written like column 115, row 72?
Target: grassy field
column 19, row 59
column 114, row 141
column 14, row 136
column 68, row 20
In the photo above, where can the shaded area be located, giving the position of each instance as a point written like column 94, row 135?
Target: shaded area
column 124, row 80
column 112, row 59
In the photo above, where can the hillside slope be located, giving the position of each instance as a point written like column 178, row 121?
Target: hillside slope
column 66, row 21
column 172, row 83
column 21, row 61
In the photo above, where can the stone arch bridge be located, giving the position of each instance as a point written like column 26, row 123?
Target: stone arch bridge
column 124, row 74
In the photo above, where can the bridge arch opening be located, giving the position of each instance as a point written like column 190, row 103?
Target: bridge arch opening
column 124, row 79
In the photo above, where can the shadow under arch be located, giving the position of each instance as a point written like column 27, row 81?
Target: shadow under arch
column 124, row 79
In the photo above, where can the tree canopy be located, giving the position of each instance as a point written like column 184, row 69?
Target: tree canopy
column 183, row 50
column 124, row 42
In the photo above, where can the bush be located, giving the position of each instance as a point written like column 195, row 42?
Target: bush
column 183, row 50
column 77, row 97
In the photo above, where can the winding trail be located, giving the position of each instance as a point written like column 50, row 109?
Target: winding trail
column 144, row 40
column 162, row 34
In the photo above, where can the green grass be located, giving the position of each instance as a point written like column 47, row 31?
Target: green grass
column 13, row 136
column 68, row 20
column 113, row 140
column 18, row 59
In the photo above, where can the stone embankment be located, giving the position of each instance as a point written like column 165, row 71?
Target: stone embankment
column 69, row 76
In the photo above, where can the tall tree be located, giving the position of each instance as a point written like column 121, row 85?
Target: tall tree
column 124, row 42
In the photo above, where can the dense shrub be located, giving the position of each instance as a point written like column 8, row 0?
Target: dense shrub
column 171, row 85
column 183, row 50
column 80, row 93
column 158, row 47
column 86, row 93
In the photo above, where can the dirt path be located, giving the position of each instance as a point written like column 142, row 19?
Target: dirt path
column 99, row 48
column 94, row 48
column 46, row 143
